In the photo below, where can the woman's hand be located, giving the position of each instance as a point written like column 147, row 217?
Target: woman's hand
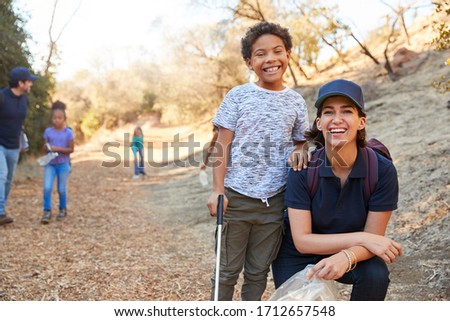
column 383, row 247
column 330, row 268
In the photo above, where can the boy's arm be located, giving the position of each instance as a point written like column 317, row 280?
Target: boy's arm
column 299, row 157
column 223, row 145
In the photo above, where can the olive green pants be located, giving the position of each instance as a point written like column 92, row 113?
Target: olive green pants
column 251, row 237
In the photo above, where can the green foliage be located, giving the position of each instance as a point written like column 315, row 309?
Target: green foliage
column 14, row 52
column 38, row 118
column 442, row 41
column 90, row 123
column 148, row 101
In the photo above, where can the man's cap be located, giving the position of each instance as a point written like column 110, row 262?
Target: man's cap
column 21, row 74
column 341, row 87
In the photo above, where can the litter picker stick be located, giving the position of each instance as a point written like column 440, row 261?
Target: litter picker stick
column 218, row 241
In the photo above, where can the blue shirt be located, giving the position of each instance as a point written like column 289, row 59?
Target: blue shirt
column 341, row 210
column 13, row 110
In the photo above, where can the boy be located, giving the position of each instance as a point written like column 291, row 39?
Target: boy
column 258, row 124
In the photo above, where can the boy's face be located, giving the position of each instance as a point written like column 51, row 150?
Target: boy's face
column 269, row 61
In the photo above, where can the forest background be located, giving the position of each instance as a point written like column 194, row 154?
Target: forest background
column 126, row 239
column 200, row 64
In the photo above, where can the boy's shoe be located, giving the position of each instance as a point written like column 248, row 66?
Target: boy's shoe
column 143, row 173
column 135, row 176
column 45, row 219
column 61, row 214
column 5, row 219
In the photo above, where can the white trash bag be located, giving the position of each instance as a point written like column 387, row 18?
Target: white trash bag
column 298, row 288
column 44, row 160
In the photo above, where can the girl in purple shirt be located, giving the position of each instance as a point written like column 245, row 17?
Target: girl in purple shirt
column 58, row 138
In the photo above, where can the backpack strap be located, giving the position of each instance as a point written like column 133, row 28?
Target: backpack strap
column 312, row 174
column 371, row 180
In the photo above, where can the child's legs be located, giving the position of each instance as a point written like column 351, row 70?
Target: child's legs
column 62, row 172
column 232, row 255
column 49, row 177
column 264, row 242
column 235, row 232
column 370, row 280
column 141, row 160
column 136, row 167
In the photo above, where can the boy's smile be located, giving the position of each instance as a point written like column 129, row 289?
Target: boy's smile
column 269, row 61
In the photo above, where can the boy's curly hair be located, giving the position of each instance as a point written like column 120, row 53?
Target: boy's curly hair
column 260, row 29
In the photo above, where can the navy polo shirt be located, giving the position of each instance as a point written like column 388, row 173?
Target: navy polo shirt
column 13, row 110
column 341, row 210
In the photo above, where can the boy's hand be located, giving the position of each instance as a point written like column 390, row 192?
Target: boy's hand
column 299, row 159
column 212, row 203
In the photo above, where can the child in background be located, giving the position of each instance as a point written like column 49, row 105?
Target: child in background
column 58, row 138
column 137, row 146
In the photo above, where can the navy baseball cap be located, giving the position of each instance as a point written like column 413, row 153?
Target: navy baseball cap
column 341, row 87
column 21, row 74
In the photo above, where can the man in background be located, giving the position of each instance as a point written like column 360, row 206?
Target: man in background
column 13, row 110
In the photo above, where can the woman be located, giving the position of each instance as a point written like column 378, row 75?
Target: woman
column 338, row 229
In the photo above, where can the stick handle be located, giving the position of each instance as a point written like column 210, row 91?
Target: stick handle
column 220, row 209
column 219, row 246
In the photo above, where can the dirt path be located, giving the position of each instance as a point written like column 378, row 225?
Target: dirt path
column 114, row 245
column 153, row 239
column 149, row 239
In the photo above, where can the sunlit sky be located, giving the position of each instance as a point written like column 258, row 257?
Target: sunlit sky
column 117, row 32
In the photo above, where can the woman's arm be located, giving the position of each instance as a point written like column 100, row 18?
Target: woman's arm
column 360, row 246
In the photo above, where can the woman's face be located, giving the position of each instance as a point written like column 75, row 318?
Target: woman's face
column 339, row 121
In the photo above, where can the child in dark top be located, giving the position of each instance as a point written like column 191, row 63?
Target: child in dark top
column 338, row 229
column 58, row 138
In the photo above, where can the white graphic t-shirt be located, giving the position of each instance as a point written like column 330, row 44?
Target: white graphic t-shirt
column 264, row 123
